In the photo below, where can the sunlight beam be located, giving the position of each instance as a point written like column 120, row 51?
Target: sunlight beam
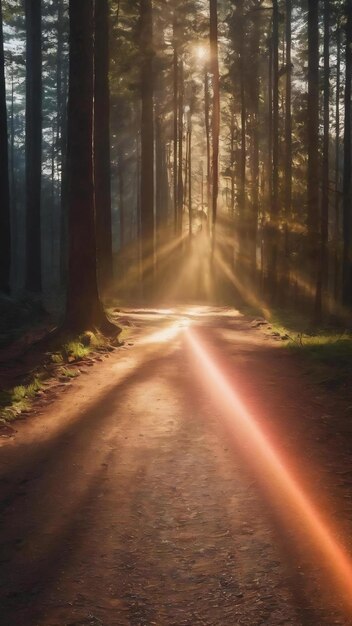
column 241, row 423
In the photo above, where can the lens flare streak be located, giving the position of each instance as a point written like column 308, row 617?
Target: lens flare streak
column 240, row 422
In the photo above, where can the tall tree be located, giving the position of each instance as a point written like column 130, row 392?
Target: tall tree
column 102, row 169
column 214, row 67
column 347, row 221
column 288, row 137
column 5, row 231
column 322, row 278
column 175, row 115
column 33, row 144
column 274, row 209
column 84, row 308
column 337, row 164
column 147, row 142
column 313, row 220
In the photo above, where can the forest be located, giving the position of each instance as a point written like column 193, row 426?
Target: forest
column 175, row 312
column 232, row 120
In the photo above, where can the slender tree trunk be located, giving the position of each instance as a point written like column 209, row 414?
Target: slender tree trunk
column 185, row 186
column 33, row 279
column 102, row 166
column 347, row 221
column 207, row 136
column 147, row 145
column 313, row 220
column 274, row 209
column 5, row 228
column 337, row 168
column 190, row 178
column 121, row 201
column 253, row 218
column 180, row 149
column 84, row 309
column 232, row 158
column 288, row 142
column 323, row 269
column 214, row 65
column 242, row 212
column 175, row 116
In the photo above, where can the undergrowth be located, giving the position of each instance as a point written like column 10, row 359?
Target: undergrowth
column 14, row 401
column 68, row 352
column 326, row 351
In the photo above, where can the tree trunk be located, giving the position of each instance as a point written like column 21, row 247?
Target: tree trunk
column 232, row 158
column 322, row 278
column 5, row 229
column 180, row 149
column 84, row 309
column 347, row 222
column 253, row 217
column 288, row 142
column 214, row 65
column 207, row 136
column 102, row 167
column 274, row 207
column 190, row 178
column 337, row 168
column 33, row 279
column 147, row 145
column 175, row 115
column 313, row 144
column 242, row 213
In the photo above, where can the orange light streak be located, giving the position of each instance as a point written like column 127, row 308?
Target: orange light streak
column 239, row 421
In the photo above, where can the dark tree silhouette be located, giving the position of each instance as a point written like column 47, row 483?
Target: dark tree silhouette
column 5, row 231
column 84, row 308
column 147, row 142
column 33, row 144
column 102, row 172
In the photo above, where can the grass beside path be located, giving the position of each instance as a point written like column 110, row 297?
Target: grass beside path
column 60, row 362
column 326, row 352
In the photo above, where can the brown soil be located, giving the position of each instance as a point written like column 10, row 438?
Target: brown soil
column 125, row 502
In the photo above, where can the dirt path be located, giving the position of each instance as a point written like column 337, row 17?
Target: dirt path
column 126, row 502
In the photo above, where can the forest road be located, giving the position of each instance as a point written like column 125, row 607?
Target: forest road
column 128, row 501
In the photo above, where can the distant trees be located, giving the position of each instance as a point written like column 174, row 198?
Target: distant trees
column 273, row 171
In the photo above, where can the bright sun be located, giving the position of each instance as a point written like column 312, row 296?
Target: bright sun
column 201, row 52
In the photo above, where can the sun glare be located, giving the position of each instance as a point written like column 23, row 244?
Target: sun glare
column 201, row 52
column 243, row 427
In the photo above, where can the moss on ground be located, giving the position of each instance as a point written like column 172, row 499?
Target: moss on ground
column 61, row 361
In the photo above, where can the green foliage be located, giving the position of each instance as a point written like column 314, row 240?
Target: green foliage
column 16, row 400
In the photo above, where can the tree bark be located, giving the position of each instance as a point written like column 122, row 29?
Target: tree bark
column 84, row 309
column 180, row 149
column 175, row 116
column 5, row 228
column 337, row 167
column 214, row 65
column 274, row 208
column 33, row 280
column 207, row 136
column 102, row 166
column 313, row 225
column 322, row 278
column 347, row 221
column 288, row 141
column 147, row 145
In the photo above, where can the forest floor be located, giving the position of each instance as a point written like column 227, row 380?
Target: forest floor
column 128, row 498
